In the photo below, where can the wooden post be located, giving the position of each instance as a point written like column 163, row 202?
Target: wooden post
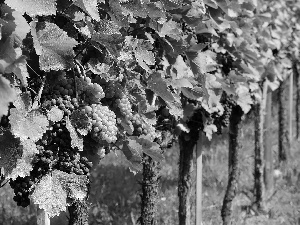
column 199, row 181
column 259, row 188
column 291, row 112
column 282, row 126
column 42, row 217
column 297, row 107
column 268, row 154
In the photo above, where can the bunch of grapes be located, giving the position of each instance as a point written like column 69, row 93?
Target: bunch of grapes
column 90, row 92
column 63, row 87
column 67, row 159
column 70, row 161
column 64, row 103
column 223, row 121
column 103, row 122
column 226, row 61
column 164, row 119
column 204, row 38
column 55, row 152
column 165, row 124
column 22, row 186
column 113, row 90
column 60, row 136
column 142, row 128
column 124, row 106
column 61, row 95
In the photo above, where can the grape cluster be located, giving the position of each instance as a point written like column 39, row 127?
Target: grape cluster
column 164, row 119
column 204, row 38
column 64, row 103
column 113, row 90
column 223, row 121
column 21, row 187
column 63, row 87
column 165, row 124
column 59, row 136
column 124, row 106
column 103, row 122
column 90, row 92
column 61, row 95
column 226, row 61
column 71, row 162
column 42, row 162
column 67, row 159
column 55, row 152
column 141, row 127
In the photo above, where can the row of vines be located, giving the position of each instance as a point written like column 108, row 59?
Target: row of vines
column 82, row 78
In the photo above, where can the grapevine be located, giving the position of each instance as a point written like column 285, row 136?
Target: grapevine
column 79, row 79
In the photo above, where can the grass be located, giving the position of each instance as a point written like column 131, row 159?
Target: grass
column 115, row 190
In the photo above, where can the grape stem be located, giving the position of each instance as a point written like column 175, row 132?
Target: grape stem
column 79, row 68
column 33, row 70
column 154, row 99
column 75, row 85
column 85, row 43
column 2, row 179
column 38, row 96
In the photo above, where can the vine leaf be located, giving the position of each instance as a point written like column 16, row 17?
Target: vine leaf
column 107, row 33
column 7, row 95
column 176, row 110
column 142, row 54
column 143, row 9
column 23, row 101
column 209, row 129
column 9, row 152
column 244, row 98
column 198, row 63
column 142, row 144
column 74, row 185
column 25, row 122
column 142, row 51
column 12, row 60
column 89, row 7
column 159, row 86
column 172, row 4
column 7, row 54
column 127, row 127
column 197, row 9
column 53, row 45
column 50, row 195
column 171, row 29
column 181, row 69
column 76, row 139
column 134, row 157
column 19, row 67
column 193, row 94
column 182, row 126
column 13, row 23
column 33, row 7
column 24, row 165
column 81, row 122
